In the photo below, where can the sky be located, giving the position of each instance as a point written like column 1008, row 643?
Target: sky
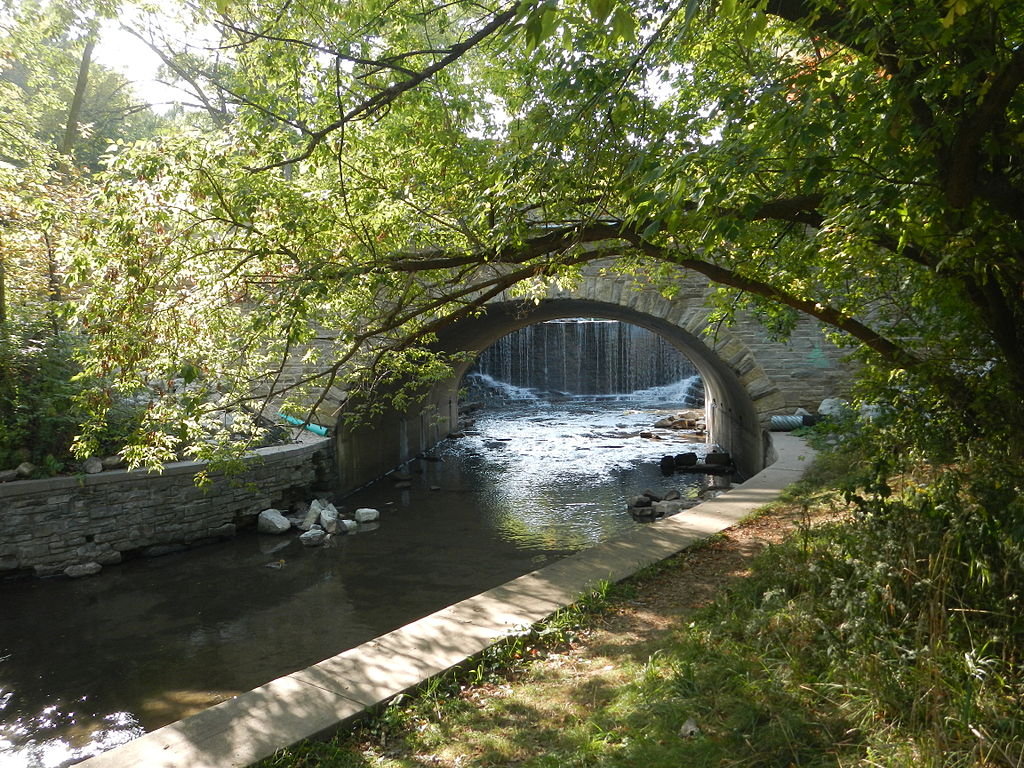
column 125, row 53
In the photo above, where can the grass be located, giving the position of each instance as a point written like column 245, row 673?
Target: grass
column 860, row 641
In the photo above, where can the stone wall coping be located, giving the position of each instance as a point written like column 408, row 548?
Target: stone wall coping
column 15, row 488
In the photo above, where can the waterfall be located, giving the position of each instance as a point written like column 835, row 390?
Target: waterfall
column 595, row 358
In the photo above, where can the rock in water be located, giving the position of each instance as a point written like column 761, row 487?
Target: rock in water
column 272, row 521
column 668, row 465
column 366, row 515
column 718, row 459
column 664, row 508
column 686, row 459
column 311, row 516
column 348, row 526
column 85, row 569
column 314, row 537
column 329, row 518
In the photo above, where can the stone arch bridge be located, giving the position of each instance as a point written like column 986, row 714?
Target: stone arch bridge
column 747, row 376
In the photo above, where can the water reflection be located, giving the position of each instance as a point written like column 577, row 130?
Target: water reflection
column 86, row 665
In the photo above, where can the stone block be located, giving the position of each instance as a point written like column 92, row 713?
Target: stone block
column 83, row 569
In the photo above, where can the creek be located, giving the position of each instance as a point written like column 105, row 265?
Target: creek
column 88, row 664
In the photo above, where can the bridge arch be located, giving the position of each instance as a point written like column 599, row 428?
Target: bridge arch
column 748, row 377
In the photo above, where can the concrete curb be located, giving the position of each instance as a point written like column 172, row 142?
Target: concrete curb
column 321, row 698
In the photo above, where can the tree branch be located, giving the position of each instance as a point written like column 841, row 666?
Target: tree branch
column 962, row 168
column 388, row 95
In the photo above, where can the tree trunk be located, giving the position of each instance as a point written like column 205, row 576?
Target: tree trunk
column 81, row 84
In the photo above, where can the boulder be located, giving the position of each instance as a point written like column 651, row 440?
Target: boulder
column 366, row 515
column 667, row 423
column 685, row 459
column 314, row 537
column 83, row 569
column 643, row 512
column 663, row 508
column 718, row 459
column 671, row 495
column 272, row 521
column 636, row 502
column 93, row 465
column 652, row 495
column 347, row 526
column 870, row 411
column 667, row 465
column 329, row 518
column 112, row 557
column 312, row 515
column 113, row 462
column 25, row 469
column 833, row 406
column 7, row 475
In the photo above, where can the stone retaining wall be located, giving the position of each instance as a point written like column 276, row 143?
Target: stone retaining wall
column 75, row 525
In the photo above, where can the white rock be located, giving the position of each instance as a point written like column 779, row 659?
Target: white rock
column 272, row 521
column 348, row 526
column 329, row 518
column 93, row 465
column 366, row 515
column 25, row 469
column 689, row 729
column 311, row 516
column 870, row 411
column 113, row 461
column 833, row 406
column 313, row 537
column 84, row 569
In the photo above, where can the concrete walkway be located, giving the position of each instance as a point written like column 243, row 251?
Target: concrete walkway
column 320, row 699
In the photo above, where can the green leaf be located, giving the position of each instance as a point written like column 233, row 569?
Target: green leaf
column 623, row 24
column 599, row 9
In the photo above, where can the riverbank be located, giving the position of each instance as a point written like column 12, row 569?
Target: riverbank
column 332, row 693
column 783, row 641
column 555, row 700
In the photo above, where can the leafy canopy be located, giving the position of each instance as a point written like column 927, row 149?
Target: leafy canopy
column 377, row 171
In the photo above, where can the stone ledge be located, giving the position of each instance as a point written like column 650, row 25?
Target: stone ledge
column 173, row 469
column 322, row 698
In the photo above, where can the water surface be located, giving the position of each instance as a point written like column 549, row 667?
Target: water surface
column 88, row 664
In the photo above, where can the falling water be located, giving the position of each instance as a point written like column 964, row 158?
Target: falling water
column 596, row 359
